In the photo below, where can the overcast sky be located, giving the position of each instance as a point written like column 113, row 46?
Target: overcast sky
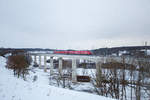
column 74, row 24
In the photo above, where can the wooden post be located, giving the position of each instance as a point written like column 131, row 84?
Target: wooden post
column 45, row 63
column 74, row 74
column 60, row 66
column 51, row 65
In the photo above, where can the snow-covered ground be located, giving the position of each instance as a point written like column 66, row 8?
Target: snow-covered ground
column 13, row 88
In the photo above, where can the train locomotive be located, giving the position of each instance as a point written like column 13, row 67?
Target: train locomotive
column 73, row 52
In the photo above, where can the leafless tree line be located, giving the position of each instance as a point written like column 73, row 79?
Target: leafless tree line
column 123, row 81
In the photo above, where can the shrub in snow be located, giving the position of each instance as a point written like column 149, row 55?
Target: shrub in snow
column 19, row 64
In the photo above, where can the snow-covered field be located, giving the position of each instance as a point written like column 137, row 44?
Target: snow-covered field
column 13, row 88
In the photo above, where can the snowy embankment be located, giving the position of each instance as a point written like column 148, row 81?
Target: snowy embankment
column 13, row 88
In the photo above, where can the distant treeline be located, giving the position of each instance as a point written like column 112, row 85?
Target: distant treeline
column 100, row 51
column 109, row 51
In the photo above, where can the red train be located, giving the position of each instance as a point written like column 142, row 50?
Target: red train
column 73, row 52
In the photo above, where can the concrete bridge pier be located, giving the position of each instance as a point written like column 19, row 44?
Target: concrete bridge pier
column 40, row 65
column 45, row 65
column 60, row 66
column 98, row 70
column 74, row 74
column 35, row 59
column 51, row 65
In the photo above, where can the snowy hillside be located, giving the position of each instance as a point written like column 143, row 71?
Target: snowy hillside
column 13, row 88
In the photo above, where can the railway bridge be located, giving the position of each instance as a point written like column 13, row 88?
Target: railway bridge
column 96, row 59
